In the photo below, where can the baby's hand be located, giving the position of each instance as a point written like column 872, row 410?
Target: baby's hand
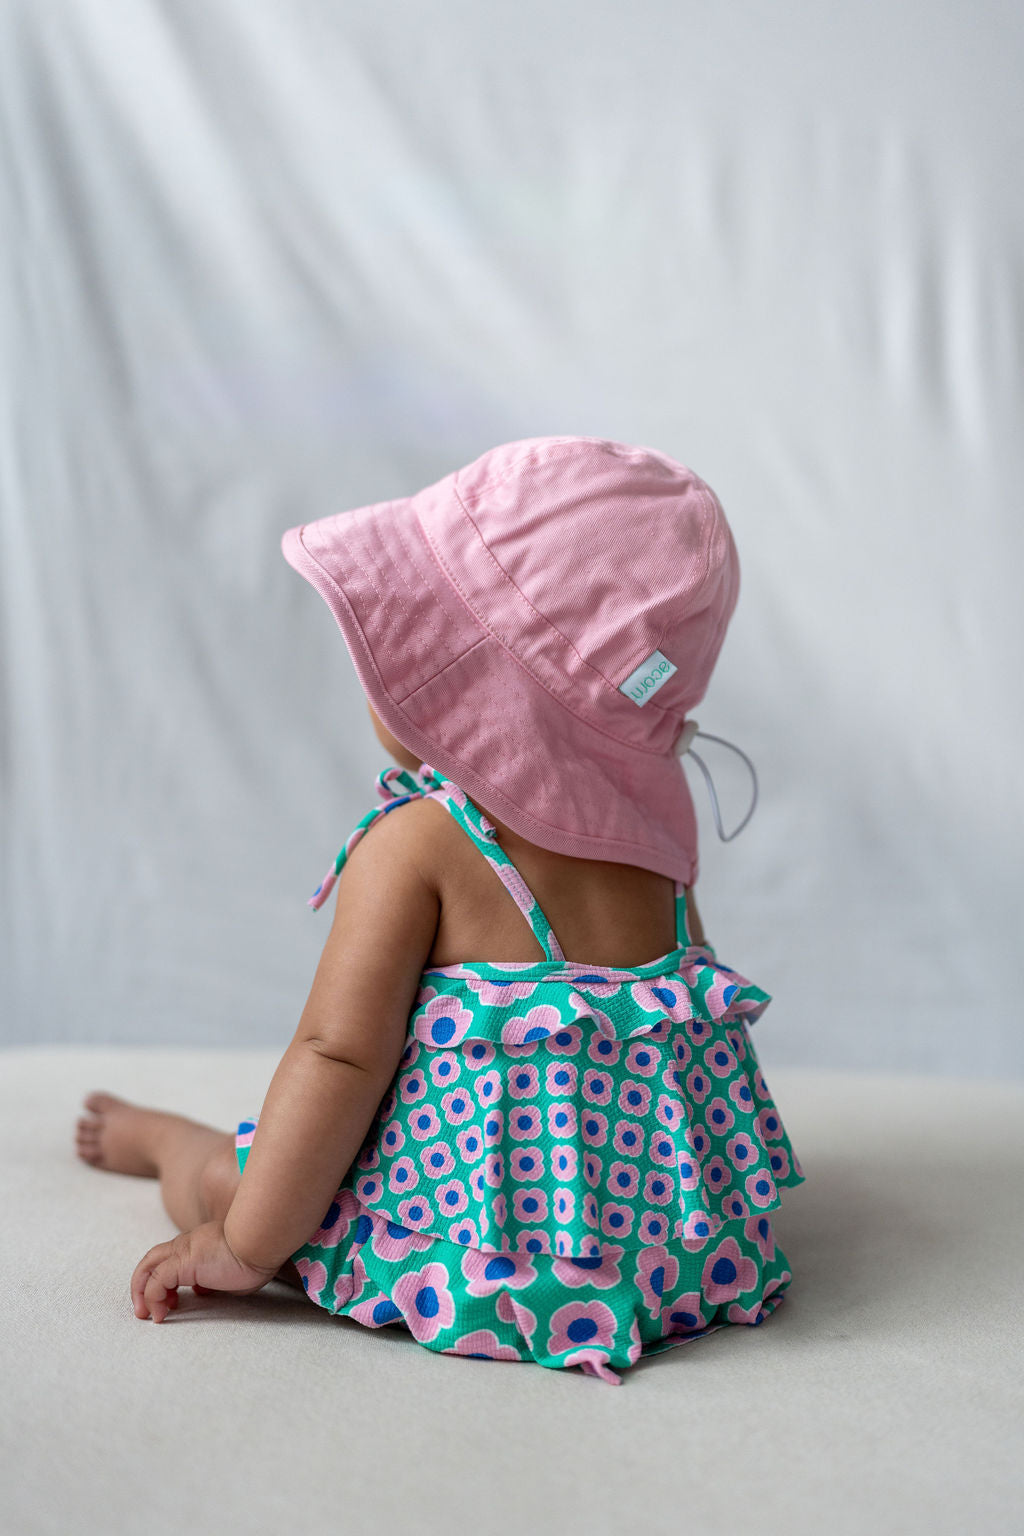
column 200, row 1258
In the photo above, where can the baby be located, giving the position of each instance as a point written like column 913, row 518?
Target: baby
column 511, row 1154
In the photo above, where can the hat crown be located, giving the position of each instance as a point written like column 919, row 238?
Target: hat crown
column 620, row 550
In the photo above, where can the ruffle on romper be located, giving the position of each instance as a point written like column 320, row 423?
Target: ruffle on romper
column 538, row 1115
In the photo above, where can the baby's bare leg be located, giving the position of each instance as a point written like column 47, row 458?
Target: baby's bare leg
column 195, row 1163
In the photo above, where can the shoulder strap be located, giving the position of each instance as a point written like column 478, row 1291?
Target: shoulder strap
column 485, row 836
column 683, row 935
column 397, row 785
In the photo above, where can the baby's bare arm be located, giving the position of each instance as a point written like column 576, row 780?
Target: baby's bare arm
column 347, row 1046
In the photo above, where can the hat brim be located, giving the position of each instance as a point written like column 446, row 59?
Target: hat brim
column 448, row 689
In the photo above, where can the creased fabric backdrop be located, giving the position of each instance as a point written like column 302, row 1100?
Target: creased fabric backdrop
column 265, row 261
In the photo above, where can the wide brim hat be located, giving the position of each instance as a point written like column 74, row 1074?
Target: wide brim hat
column 535, row 626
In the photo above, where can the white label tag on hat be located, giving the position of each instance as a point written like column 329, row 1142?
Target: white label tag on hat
column 647, row 678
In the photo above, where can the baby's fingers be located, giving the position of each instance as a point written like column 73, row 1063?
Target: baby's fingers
column 154, row 1283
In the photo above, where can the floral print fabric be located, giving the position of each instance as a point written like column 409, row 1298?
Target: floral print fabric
column 574, row 1164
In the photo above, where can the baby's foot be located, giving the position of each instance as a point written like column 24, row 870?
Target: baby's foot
column 117, row 1135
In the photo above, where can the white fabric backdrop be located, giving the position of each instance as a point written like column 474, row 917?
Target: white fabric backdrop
column 265, row 261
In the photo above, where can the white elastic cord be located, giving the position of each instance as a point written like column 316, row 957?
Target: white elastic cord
column 683, row 746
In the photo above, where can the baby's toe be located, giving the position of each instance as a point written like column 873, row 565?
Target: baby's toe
column 100, row 1102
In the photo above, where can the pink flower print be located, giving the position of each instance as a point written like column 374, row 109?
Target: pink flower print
column 470, row 1144
column 656, row 1272
column 663, row 1149
column 534, row 1240
column 409, row 1055
column 393, row 1242
column 369, row 1157
column 524, row 1122
column 600, row 1270
column 488, row 1088
column 623, row 1179
column 538, row 1023
column 727, row 1272
column 753, row 1314
column 642, row 1059
column 526, row 1163
column 616, row 1220
column 597, row 1086
column 628, row 1138
column 687, row 1170
column 699, row 1030
column 403, row 1176
column 415, row 1213
column 699, row 1140
column 477, row 1054
column 562, row 1118
column 760, row 1231
column 482, row 1345
column 760, row 1086
column 581, row 1322
column 682, row 1051
column 560, row 1077
column 444, row 1021
column 565, row 1205
column 523, row 1082
column 370, row 1188
column 771, row 1125
column 437, row 1160
column 493, row 1127
column 564, row 1162
column 635, row 1346
column 697, row 1229
column 566, row 1041
column 683, row 1315
column 658, row 1188
column 494, row 1173
column 590, row 1211
column 412, row 1086
column 451, row 1197
column 341, row 1213
column 698, row 1085
column 734, row 1206
column 779, row 1159
column 477, row 1184
column 760, row 1186
column 392, row 1138
column 595, row 1128
column 517, row 1052
column 444, row 1069
column 464, row 1233
column 530, row 1205
column 376, row 1312
column 717, row 1173
column 738, row 1043
column 719, row 1117
column 796, row 1165
column 594, row 1362
column 654, row 1227
column 604, row 1051
column 669, row 1112
column 458, row 1106
column 741, row 1096
column 388, row 1104
column 348, row 1287
column 423, row 1122
column 719, row 1059
column 424, row 1300
column 510, row 1310
column 741, row 1151
column 313, row 1275
column 592, row 1166
column 499, row 994
column 486, row 1273
column 634, row 1098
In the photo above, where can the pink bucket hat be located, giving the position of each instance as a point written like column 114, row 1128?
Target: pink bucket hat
column 535, row 626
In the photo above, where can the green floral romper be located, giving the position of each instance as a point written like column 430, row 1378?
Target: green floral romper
column 574, row 1165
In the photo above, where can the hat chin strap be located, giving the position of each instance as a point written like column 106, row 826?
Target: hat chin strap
column 682, row 747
